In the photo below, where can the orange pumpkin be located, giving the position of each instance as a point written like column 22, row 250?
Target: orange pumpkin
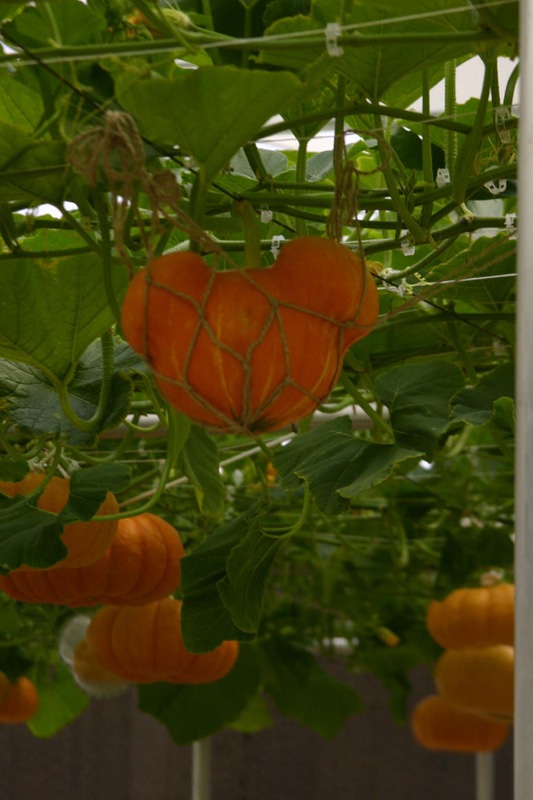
column 143, row 644
column 437, row 725
column 141, row 565
column 85, row 541
column 250, row 350
column 92, row 677
column 473, row 617
column 479, row 680
column 20, row 702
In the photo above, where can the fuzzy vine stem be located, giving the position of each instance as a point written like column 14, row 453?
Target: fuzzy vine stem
column 107, row 262
column 108, row 360
column 365, row 405
column 450, row 74
column 427, row 158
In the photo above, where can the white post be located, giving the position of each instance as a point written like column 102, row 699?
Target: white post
column 201, row 769
column 523, row 761
column 485, row 776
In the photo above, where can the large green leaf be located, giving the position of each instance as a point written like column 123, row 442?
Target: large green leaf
column 31, row 401
column 205, row 619
column 199, row 460
column 210, row 112
column 20, row 99
column 193, row 712
column 70, row 22
column 418, row 398
column 51, row 310
column 60, row 701
column 477, row 404
column 302, row 690
column 336, row 464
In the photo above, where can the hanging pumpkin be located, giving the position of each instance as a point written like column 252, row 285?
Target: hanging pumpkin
column 85, row 541
column 250, row 350
column 141, row 565
column 437, row 725
column 477, row 617
column 20, row 702
column 479, row 680
column 143, row 644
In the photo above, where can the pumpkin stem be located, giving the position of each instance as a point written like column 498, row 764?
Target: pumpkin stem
column 252, row 234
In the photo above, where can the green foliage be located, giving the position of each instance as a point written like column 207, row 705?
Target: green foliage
column 402, row 488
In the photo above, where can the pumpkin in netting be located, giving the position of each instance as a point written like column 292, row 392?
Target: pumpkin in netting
column 143, row 644
column 437, row 725
column 250, row 350
column 478, row 680
column 141, row 565
column 85, row 541
column 477, row 617
column 19, row 702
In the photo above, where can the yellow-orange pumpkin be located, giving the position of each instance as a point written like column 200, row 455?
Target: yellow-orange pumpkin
column 141, row 565
column 143, row 644
column 479, row 680
column 85, row 541
column 477, row 617
column 255, row 349
column 437, row 725
column 21, row 701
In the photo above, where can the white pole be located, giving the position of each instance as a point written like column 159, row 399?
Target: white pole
column 523, row 760
column 485, row 776
column 201, row 769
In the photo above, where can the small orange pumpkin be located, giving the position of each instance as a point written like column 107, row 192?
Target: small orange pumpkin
column 21, row 701
column 250, row 350
column 85, row 541
column 143, row 644
column 141, row 565
column 437, row 725
column 478, row 680
column 478, row 617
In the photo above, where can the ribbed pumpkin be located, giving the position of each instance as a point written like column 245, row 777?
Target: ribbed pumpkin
column 141, row 565
column 143, row 644
column 85, row 541
column 250, row 350
column 21, row 701
column 92, row 677
column 437, row 725
column 477, row 617
column 479, row 680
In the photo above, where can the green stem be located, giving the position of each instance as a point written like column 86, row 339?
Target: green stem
column 457, row 341
column 450, row 77
column 91, row 425
column 424, row 262
column 301, row 166
column 106, row 253
column 198, row 202
column 464, row 163
column 508, row 96
column 282, row 533
column 252, row 234
column 354, row 392
column 32, row 452
column 75, row 225
column 427, row 156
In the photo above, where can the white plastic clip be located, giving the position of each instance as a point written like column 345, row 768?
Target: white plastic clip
column 496, row 187
column 333, row 31
column 266, row 215
column 408, row 249
column 399, row 289
column 443, row 177
column 510, row 225
column 502, row 115
column 276, row 244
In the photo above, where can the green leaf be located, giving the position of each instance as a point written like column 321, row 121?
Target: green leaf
column 248, row 567
column 20, row 99
column 194, row 712
column 254, row 718
column 89, row 487
column 199, row 459
column 51, row 310
column 29, row 536
column 418, row 398
column 302, row 690
column 70, row 22
column 31, row 401
column 60, row 700
column 477, row 405
column 34, row 171
column 211, row 111
column 206, row 621
column 12, row 471
column 336, row 464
